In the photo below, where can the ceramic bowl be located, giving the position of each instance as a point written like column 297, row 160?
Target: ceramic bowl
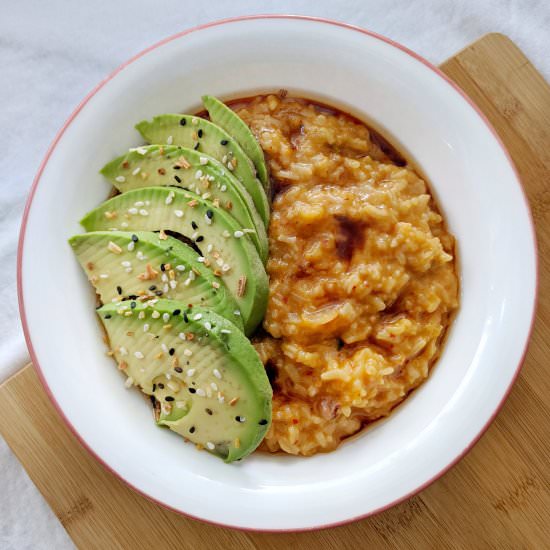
column 416, row 107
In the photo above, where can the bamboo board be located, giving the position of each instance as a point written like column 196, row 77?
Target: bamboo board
column 496, row 497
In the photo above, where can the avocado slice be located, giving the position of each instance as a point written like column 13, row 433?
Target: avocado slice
column 201, row 135
column 142, row 266
column 227, row 119
column 172, row 165
column 224, row 246
column 204, row 375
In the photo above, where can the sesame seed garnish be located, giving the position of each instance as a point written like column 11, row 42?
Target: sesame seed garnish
column 200, row 259
column 139, row 255
column 173, row 284
column 135, row 172
column 141, row 315
column 197, row 317
column 183, row 122
column 171, row 351
column 185, row 318
column 132, row 211
column 210, row 445
column 203, row 160
column 194, row 121
column 128, row 383
column 145, row 327
column 169, row 198
column 223, row 188
column 241, row 288
column 166, row 317
column 199, row 239
column 239, row 418
column 181, row 335
column 226, row 268
column 138, row 355
column 131, row 246
column 187, row 352
column 201, row 392
column 238, row 234
column 143, row 212
column 169, row 398
column 233, row 401
column 180, row 267
column 225, row 331
column 178, row 213
column 237, row 312
column 155, row 314
column 125, row 263
column 191, row 372
column 226, row 234
column 196, row 146
column 262, row 422
column 169, row 140
column 215, row 284
column 103, row 275
column 162, row 235
column 141, row 150
column 120, row 179
column 198, row 174
column 208, row 326
column 122, row 350
column 114, row 248
column 193, row 203
column 214, row 386
column 217, row 374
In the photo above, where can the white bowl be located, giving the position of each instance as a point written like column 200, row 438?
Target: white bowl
column 473, row 178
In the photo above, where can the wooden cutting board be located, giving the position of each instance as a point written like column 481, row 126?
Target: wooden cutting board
column 496, row 497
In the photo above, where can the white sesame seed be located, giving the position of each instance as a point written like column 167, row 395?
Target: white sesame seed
column 166, row 317
column 147, row 203
column 207, row 220
column 217, row 374
column 114, row 248
column 178, row 213
column 138, row 355
column 190, row 372
column 225, row 331
column 187, row 282
column 181, row 335
column 132, row 211
column 237, row 312
column 139, row 255
column 168, row 376
column 206, row 196
column 208, row 326
column 155, row 314
column 200, row 259
column 203, row 160
column 180, row 267
column 208, row 392
column 209, row 248
column 194, row 235
column 210, row 445
column 194, row 121
column 192, row 275
column 104, row 276
column 211, row 178
column 143, row 212
column 198, row 174
column 145, row 327
column 224, row 159
column 238, row 234
column 165, row 288
column 201, row 392
column 249, row 230
column 129, row 269
column 226, row 234
column 169, row 140
column 131, row 246
column 214, row 386
column 226, row 268
column 141, row 315
column 164, row 348
column 219, row 262
column 141, row 150
column 124, row 224
column 221, row 398
column 139, row 203
column 187, row 352
column 122, row 350
column 126, row 263
column 136, row 171
column 120, row 179
column 197, row 317
column 129, row 382
column 164, row 278
column 230, row 166
column 223, row 188
column 173, row 284
column 169, row 198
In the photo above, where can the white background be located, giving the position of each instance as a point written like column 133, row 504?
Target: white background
column 53, row 52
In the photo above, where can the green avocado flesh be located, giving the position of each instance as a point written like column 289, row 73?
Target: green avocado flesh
column 166, row 165
column 225, row 248
column 140, row 265
column 207, row 381
column 227, row 119
column 201, row 135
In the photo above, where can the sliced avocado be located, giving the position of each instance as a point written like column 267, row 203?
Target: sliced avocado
column 224, row 246
column 142, row 266
column 201, row 135
column 200, row 173
column 235, row 126
column 205, row 375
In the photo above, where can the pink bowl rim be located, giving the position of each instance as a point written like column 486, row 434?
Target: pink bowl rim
column 75, row 113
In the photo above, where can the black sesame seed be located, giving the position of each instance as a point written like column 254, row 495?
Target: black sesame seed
column 262, row 422
column 224, row 141
column 161, row 386
column 183, row 122
column 158, row 292
column 108, row 316
column 171, row 351
column 176, row 312
column 176, row 167
column 169, row 398
column 199, row 239
column 132, row 297
column 192, row 430
column 153, row 287
column 119, row 289
column 208, row 411
column 162, row 267
column 209, row 214
column 192, row 390
column 177, row 178
column 239, row 419
column 154, row 387
column 185, row 318
column 194, row 225
column 135, row 238
column 199, row 133
column 178, row 369
column 133, row 305
column 196, row 146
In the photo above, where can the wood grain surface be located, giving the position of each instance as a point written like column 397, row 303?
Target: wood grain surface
column 496, row 497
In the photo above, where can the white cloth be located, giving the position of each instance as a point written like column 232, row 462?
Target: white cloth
column 52, row 53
